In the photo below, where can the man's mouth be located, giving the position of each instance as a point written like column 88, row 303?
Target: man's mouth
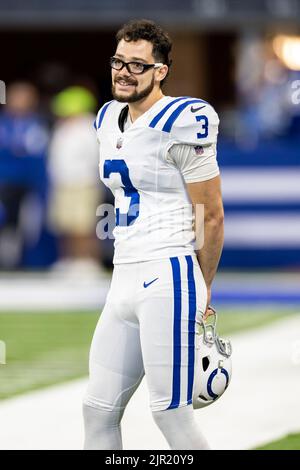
column 124, row 83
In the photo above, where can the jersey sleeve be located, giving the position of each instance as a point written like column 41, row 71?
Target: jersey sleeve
column 193, row 141
column 195, row 163
column 196, row 123
column 96, row 120
column 100, row 117
column 101, row 114
column 95, row 126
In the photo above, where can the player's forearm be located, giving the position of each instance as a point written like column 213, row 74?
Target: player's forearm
column 209, row 255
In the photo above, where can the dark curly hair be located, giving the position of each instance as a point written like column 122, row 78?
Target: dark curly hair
column 150, row 31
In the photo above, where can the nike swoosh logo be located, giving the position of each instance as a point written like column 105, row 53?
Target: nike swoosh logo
column 194, row 110
column 151, row 282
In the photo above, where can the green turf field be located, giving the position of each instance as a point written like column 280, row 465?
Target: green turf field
column 44, row 349
column 49, row 348
column 290, row 442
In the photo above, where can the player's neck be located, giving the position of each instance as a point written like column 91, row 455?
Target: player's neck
column 140, row 107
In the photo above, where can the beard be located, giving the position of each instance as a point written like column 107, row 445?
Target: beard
column 135, row 95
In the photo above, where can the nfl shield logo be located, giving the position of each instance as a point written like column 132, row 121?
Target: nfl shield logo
column 199, row 149
column 119, row 143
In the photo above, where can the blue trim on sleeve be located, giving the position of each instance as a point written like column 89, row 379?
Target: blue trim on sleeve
column 158, row 117
column 102, row 113
column 176, row 333
column 172, row 118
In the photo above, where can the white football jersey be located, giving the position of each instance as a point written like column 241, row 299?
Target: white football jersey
column 154, row 217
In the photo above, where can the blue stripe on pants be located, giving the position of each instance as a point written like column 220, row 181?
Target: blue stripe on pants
column 191, row 328
column 176, row 333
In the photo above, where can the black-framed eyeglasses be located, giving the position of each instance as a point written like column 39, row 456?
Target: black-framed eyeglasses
column 132, row 67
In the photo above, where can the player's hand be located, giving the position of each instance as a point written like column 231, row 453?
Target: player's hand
column 209, row 311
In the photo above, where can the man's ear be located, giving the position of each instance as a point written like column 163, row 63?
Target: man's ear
column 162, row 72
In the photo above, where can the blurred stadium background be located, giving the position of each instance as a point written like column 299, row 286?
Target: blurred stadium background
column 242, row 57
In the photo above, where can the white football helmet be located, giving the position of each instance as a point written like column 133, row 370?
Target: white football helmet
column 212, row 364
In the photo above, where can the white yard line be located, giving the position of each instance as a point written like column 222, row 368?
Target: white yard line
column 261, row 404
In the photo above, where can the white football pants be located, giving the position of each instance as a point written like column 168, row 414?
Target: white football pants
column 147, row 328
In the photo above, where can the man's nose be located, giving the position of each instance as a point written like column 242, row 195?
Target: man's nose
column 124, row 72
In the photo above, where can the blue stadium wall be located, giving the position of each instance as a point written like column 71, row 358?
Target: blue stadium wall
column 261, row 190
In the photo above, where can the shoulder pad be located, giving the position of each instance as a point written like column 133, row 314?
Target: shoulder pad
column 193, row 122
column 107, row 109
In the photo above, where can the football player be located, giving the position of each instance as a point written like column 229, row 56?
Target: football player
column 158, row 157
